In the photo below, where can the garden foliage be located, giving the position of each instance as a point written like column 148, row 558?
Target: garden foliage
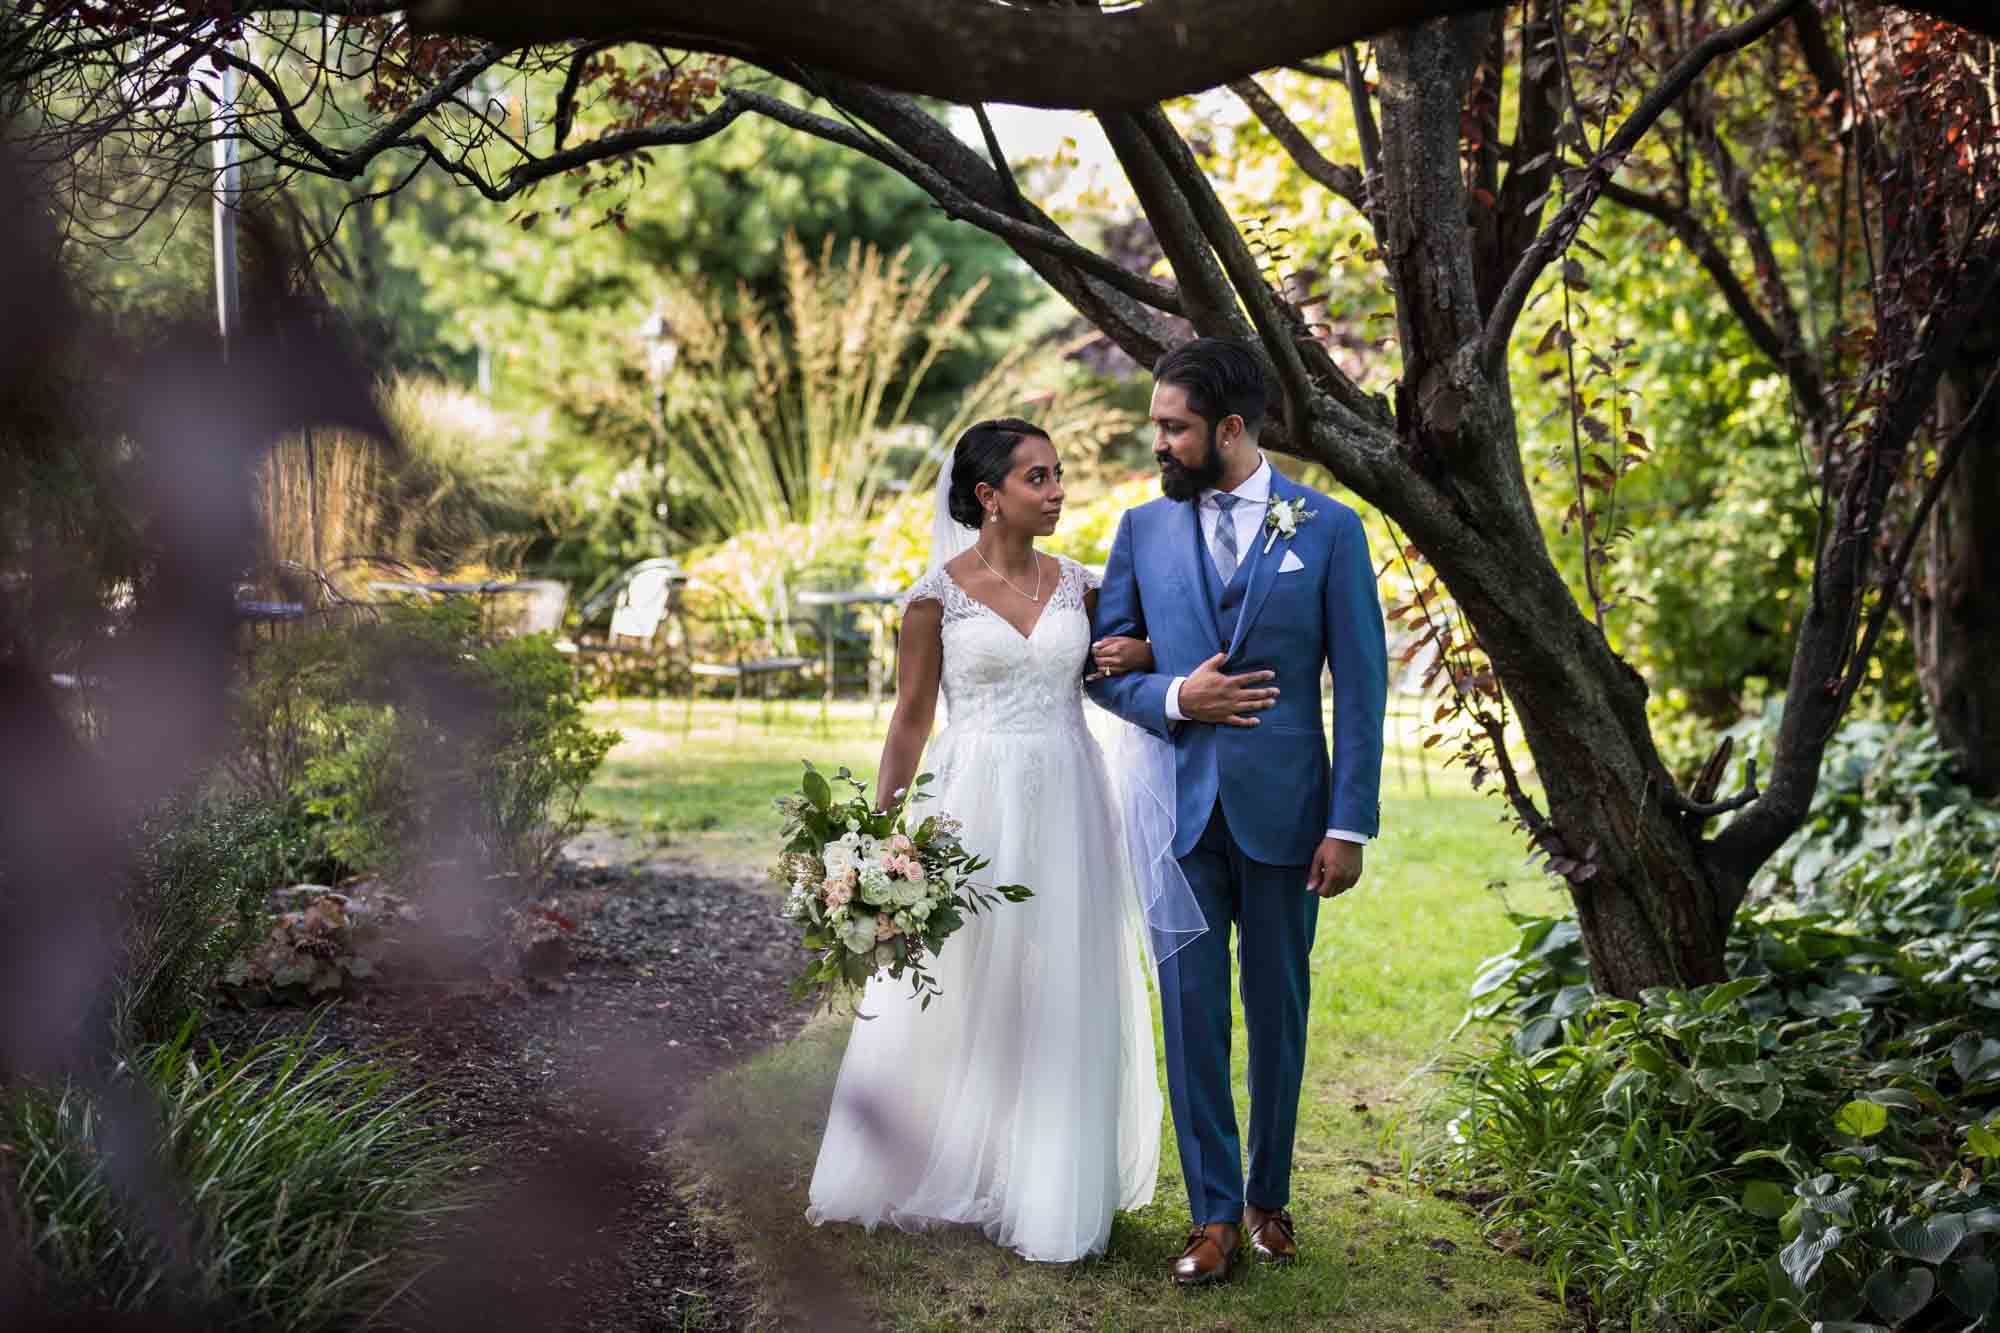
column 1813, row 1143
column 309, row 1183
column 414, row 737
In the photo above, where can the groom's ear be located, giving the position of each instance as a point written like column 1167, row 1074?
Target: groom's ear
column 1229, row 430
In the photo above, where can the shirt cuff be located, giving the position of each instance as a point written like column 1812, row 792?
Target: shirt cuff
column 1174, row 713
column 1346, row 835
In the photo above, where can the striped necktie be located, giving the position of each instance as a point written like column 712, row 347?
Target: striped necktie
column 1224, row 546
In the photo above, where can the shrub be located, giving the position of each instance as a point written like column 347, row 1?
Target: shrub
column 308, row 1185
column 1811, row 1143
column 414, row 737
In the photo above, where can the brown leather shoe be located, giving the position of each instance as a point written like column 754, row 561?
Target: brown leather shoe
column 1212, row 1251
column 1272, row 1240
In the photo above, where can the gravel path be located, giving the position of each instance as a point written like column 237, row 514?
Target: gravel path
column 567, row 1094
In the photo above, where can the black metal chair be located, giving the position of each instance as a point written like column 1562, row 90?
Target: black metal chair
column 724, row 640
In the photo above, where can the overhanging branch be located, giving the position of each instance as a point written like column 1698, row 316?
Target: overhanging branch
column 1343, row 180
column 972, row 50
column 1562, row 229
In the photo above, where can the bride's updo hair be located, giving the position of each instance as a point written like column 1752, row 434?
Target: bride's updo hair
column 984, row 453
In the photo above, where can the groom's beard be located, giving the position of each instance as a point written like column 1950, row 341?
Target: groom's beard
column 1181, row 482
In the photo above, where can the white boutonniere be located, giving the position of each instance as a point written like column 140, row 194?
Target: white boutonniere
column 1282, row 519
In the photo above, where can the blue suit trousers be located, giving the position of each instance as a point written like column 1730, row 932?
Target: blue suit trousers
column 1274, row 917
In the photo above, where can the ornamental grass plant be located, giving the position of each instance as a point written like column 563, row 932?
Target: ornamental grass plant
column 306, row 1184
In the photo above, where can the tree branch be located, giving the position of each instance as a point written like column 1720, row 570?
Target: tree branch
column 1784, row 316
column 1209, row 302
column 975, row 51
column 1562, row 229
column 1709, row 255
column 957, row 204
column 1138, row 328
column 1827, row 663
column 1343, row 180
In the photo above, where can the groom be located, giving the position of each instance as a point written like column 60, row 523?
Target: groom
column 1246, row 584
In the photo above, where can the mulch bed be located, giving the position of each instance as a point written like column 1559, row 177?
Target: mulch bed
column 567, row 1093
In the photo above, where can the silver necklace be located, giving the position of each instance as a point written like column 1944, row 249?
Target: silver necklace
column 1036, row 597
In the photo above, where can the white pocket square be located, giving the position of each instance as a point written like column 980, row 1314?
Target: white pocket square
column 1290, row 563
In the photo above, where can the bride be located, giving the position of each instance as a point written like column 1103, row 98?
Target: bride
column 1024, row 1100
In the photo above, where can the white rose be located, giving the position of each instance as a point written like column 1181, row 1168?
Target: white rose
column 885, row 954
column 906, row 923
column 858, row 934
column 839, row 857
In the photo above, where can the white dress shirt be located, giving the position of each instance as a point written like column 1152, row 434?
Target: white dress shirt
column 1254, row 497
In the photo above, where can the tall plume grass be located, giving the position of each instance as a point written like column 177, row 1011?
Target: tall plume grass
column 456, row 490
column 803, row 417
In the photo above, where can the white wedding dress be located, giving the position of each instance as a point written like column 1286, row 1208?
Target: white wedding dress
column 1025, row 1099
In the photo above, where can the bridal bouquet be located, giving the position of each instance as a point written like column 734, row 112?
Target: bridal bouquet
column 873, row 892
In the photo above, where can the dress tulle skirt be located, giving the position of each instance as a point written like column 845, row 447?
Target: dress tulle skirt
column 1025, row 1100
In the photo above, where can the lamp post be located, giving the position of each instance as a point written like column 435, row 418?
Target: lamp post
column 663, row 350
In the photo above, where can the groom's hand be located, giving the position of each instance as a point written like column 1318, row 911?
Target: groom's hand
column 1209, row 696
column 1336, row 868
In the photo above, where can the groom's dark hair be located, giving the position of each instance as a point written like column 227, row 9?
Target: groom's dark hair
column 984, row 453
column 1221, row 378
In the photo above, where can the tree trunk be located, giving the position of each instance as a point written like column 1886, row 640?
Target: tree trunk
column 1653, row 909
column 1956, row 627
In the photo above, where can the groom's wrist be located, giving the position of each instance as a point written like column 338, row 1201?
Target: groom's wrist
column 1346, row 835
column 1174, row 713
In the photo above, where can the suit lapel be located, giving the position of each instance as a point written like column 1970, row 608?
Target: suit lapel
column 1185, row 549
column 1264, row 564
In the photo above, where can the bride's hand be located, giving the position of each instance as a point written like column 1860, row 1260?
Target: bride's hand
column 1121, row 656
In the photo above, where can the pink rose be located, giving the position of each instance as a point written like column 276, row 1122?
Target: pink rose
column 837, row 891
column 885, row 929
column 901, row 843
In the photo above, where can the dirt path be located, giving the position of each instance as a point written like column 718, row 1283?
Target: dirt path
column 568, row 1092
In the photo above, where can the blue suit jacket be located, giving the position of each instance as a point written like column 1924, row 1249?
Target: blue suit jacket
column 1277, row 789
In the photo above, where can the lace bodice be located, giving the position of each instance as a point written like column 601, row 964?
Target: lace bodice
column 997, row 680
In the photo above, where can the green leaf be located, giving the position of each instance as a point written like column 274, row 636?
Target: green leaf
column 1571, row 1000
column 1972, row 1285
column 1497, row 974
column 1862, row 1120
column 1650, row 1058
column 1899, row 1098
column 1898, row 1292
column 1629, row 1082
column 1766, row 1198
column 1931, row 1239
column 1803, row 1257
column 815, row 789
column 1976, row 1060
column 1982, row 1221
column 1728, row 993
column 1536, row 1035
column 1982, row 1141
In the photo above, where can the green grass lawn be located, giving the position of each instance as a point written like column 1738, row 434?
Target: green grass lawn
column 1390, row 970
